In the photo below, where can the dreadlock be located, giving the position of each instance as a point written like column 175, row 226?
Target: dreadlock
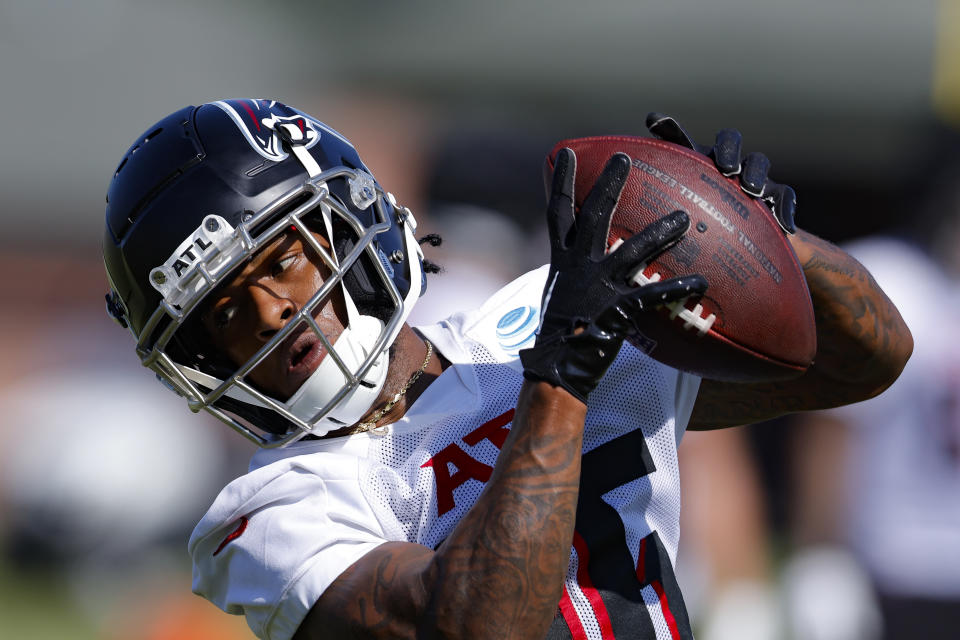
column 434, row 240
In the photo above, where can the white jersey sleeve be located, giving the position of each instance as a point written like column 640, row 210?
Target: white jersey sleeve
column 276, row 538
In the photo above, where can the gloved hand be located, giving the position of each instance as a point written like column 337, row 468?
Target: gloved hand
column 588, row 303
column 725, row 153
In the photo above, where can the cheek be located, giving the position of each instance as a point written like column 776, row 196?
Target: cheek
column 327, row 311
column 332, row 310
column 240, row 344
column 332, row 315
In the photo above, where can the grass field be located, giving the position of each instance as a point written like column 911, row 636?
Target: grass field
column 38, row 607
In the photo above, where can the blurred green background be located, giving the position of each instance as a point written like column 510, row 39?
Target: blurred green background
column 453, row 105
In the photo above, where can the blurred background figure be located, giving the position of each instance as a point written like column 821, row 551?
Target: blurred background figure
column 453, row 105
column 893, row 463
column 726, row 562
column 99, row 474
column 485, row 202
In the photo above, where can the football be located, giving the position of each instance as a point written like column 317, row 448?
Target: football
column 755, row 321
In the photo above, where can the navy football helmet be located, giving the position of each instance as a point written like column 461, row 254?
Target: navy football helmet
column 191, row 202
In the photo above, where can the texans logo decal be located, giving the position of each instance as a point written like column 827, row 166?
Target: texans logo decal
column 258, row 121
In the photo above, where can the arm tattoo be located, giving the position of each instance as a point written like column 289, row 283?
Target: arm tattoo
column 858, row 328
column 499, row 573
column 524, row 525
column 862, row 345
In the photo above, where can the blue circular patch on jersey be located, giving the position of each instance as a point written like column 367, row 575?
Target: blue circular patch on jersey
column 517, row 329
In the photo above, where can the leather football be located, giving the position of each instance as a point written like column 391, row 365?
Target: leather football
column 755, row 322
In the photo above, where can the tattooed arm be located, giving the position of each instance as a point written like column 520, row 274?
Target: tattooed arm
column 500, row 573
column 862, row 345
column 862, row 342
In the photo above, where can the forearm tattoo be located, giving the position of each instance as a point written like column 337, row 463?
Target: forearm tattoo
column 862, row 344
column 498, row 575
column 510, row 574
column 858, row 327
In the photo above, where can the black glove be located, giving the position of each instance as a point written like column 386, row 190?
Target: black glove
column 725, row 153
column 588, row 302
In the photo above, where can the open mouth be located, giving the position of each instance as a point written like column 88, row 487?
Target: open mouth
column 291, row 363
column 300, row 354
column 304, row 356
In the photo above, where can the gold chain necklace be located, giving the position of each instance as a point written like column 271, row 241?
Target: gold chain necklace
column 371, row 424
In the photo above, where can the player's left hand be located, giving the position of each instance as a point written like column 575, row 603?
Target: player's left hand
column 726, row 154
column 589, row 302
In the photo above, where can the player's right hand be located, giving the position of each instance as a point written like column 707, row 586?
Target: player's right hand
column 589, row 305
column 726, row 152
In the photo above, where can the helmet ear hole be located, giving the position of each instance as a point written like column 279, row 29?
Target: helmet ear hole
column 360, row 280
column 190, row 345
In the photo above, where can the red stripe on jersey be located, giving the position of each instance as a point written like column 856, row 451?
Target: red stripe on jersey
column 667, row 615
column 570, row 616
column 236, row 533
column 586, row 585
column 642, row 562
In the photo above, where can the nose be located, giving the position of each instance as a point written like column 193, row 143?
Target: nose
column 273, row 311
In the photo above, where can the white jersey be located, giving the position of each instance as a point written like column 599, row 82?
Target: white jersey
column 904, row 476
column 276, row 538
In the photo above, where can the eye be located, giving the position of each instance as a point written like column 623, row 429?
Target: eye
column 222, row 317
column 283, row 264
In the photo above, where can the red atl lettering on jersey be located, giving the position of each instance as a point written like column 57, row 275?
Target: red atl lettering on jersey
column 495, row 431
column 467, row 467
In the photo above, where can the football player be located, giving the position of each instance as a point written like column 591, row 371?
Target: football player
column 508, row 473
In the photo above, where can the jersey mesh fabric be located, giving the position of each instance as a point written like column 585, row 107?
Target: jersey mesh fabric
column 629, row 396
column 652, row 599
column 403, row 491
column 635, row 393
column 398, row 481
column 580, row 601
